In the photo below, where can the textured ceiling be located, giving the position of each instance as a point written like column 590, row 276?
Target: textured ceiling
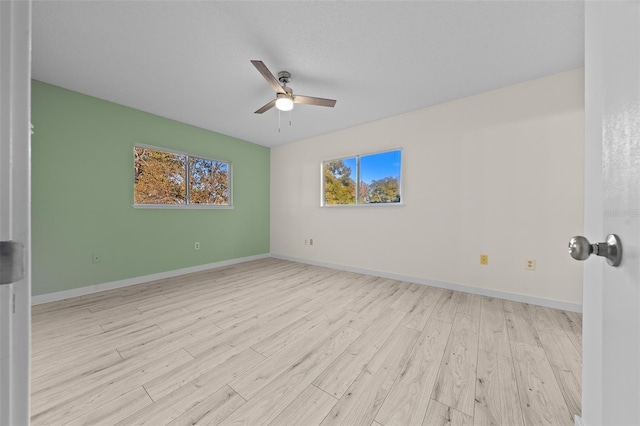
column 189, row 60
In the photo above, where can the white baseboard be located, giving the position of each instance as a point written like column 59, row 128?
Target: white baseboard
column 96, row 288
column 573, row 307
column 578, row 421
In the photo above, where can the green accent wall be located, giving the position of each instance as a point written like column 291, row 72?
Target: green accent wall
column 82, row 195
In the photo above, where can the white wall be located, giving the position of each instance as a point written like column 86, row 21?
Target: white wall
column 499, row 173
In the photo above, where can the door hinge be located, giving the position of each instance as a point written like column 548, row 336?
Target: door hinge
column 14, row 303
column 11, row 262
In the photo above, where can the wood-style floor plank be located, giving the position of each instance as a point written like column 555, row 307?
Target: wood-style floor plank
column 211, row 410
column 455, row 386
column 267, row 404
column 249, row 333
column 309, row 408
column 384, row 299
column 420, row 312
column 408, row 399
column 469, row 304
column 571, row 323
column 96, row 344
column 540, row 396
column 215, row 362
column 439, row 414
column 447, row 305
column 252, row 381
column 496, row 401
column 409, row 298
column 493, row 335
column 520, row 324
column 86, row 400
column 369, row 295
column 88, row 368
column 365, row 396
column 566, row 364
column 279, row 340
column 336, row 379
column 116, row 410
column 544, row 319
column 273, row 342
column 186, row 397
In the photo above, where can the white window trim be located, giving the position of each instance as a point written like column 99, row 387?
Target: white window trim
column 183, row 206
column 189, row 206
column 365, row 205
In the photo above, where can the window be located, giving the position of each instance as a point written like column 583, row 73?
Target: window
column 363, row 179
column 166, row 178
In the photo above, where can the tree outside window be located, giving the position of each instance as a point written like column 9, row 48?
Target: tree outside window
column 363, row 179
column 168, row 178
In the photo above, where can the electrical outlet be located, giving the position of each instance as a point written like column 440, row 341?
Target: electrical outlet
column 96, row 258
column 530, row 264
column 196, row 245
column 306, row 242
column 484, row 259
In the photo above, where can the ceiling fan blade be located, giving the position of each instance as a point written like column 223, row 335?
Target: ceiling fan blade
column 260, row 66
column 267, row 107
column 310, row 100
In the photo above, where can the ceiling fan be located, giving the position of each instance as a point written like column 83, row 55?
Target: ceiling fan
column 284, row 95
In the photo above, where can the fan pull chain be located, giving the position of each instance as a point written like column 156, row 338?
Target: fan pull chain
column 279, row 120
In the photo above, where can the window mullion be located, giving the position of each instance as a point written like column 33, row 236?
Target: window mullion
column 383, row 171
column 187, row 180
column 157, row 180
column 357, row 180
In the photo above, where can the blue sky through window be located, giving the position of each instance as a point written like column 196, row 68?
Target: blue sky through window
column 351, row 163
column 379, row 166
column 376, row 166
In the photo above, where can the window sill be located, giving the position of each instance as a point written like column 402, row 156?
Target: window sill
column 372, row 205
column 182, row 206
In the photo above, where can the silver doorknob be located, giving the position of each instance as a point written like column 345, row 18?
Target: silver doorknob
column 580, row 249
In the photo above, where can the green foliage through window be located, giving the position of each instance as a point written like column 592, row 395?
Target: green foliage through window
column 339, row 182
column 363, row 179
column 167, row 178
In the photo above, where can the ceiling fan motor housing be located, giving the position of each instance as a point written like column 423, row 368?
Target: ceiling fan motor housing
column 284, row 77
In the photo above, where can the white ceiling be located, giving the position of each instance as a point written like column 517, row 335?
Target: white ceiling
column 189, row 60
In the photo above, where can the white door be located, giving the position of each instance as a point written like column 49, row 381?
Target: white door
column 15, row 278
column 611, row 306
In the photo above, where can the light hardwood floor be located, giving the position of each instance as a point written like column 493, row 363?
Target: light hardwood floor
column 282, row 343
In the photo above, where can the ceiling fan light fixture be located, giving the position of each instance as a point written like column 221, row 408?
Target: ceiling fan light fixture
column 284, row 95
column 284, row 102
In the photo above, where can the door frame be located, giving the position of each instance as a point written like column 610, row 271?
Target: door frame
column 15, row 208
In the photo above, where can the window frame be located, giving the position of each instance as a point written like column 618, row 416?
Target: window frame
column 357, row 203
column 188, row 205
